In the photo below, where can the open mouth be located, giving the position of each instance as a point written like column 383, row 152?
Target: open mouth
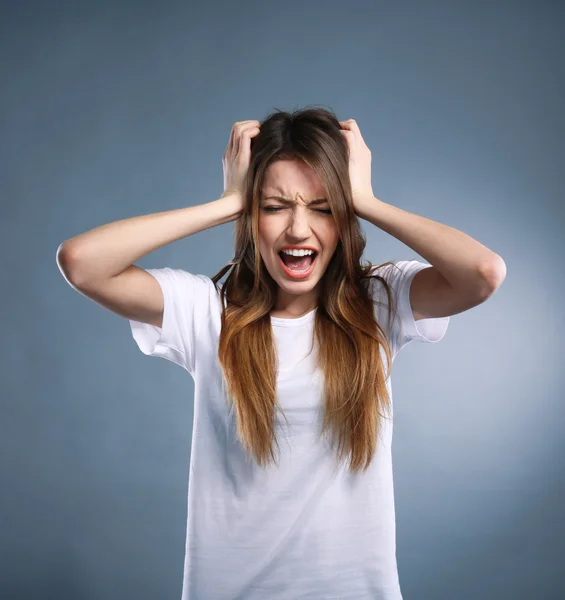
column 298, row 266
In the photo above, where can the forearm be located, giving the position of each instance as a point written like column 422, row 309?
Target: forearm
column 462, row 260
column 109, row 249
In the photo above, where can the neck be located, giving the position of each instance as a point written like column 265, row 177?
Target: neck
column 294, row 306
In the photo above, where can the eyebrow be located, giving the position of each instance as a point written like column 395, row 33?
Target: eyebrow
column 287, row 201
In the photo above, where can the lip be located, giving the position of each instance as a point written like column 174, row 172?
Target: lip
column 291, row 247
column 293, row 274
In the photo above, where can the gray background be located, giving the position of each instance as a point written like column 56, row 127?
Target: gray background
column 114, row 111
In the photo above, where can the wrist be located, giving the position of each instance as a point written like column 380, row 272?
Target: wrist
column 232, row 203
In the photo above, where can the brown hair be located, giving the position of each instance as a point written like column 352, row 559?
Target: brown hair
column 348, row 335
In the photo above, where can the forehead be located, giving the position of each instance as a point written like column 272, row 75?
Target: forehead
column 291, row 177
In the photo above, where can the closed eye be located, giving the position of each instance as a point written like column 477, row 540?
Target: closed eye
column 277, row 208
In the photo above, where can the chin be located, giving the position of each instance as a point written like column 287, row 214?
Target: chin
column 296, row 287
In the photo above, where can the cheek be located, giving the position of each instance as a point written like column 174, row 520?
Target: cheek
column 265, row 242
column 331, row 236
column 267, row 235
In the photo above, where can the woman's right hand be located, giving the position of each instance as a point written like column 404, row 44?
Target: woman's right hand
column 236, row 158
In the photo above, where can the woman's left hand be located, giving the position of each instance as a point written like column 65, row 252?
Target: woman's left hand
column 359, row 163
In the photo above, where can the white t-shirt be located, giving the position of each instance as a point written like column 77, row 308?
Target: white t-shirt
column 304, row 529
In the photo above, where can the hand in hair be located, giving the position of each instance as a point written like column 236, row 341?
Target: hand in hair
column 359, row 163
column 236, row 158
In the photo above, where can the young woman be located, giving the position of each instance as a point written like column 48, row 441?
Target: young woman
column 291, row 487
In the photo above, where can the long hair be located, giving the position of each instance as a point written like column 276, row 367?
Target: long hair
column 348, row 336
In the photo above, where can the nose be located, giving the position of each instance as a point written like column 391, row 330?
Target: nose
column 299, row 225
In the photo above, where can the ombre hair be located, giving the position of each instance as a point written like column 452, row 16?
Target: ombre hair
column 348, row 336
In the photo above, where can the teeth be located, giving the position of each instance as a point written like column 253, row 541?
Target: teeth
column 298, row 252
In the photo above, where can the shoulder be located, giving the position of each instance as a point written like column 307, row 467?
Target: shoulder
column 185, row 289
column 181, row 279
column 394, row 271
column 397, row 275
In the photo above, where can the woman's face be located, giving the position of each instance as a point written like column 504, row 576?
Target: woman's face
column 298, row 221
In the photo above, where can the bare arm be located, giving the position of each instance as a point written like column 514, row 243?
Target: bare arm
column 99, row 262
column 107, row 250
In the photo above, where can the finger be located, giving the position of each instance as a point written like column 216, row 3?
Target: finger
column 231, row 146
column 350, row 125
column 245, row 140
column 244, row 131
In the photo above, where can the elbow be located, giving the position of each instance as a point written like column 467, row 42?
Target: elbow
column 492, row 274
column 65, row 261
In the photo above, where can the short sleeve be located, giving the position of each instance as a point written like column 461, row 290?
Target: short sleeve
column 405, row 328
column 185, row 299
